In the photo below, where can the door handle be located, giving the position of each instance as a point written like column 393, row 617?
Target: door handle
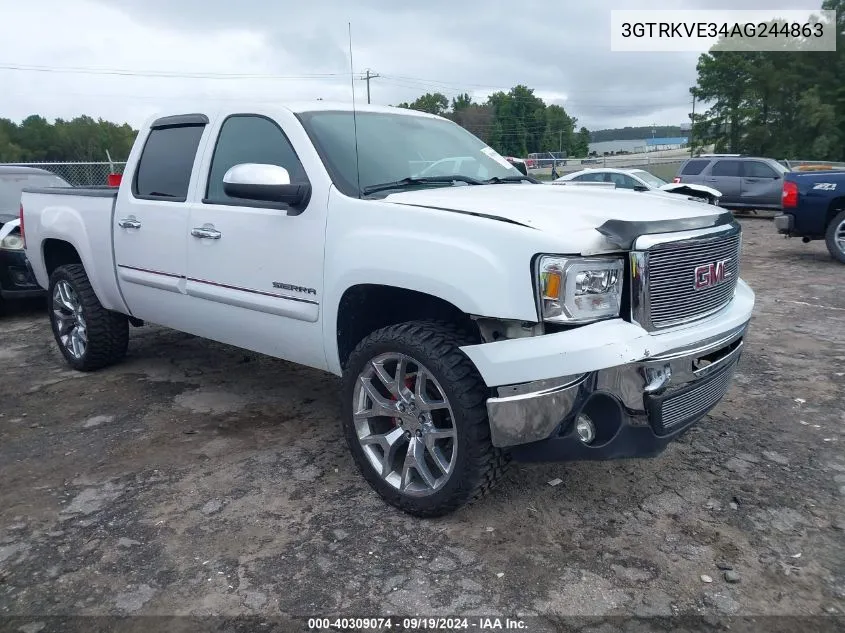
column 129, row 223
column 206, row 232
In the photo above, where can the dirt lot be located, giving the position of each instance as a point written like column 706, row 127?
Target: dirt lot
column 197, row 479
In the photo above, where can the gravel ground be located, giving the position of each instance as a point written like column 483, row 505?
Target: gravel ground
column 196, row 479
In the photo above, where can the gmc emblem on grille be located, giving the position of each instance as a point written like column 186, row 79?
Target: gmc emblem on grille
column 709, row 275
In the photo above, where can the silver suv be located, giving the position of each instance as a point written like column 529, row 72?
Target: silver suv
column 746, row 182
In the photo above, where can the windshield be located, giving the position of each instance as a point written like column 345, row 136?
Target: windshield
column 648, row 178
column 392, row 147
column 11, row 186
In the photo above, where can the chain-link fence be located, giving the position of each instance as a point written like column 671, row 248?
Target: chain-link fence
column 662, row 166
column 79, row 174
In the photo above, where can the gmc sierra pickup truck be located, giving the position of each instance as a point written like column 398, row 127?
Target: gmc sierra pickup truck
column 475, row 316
column 813, row 206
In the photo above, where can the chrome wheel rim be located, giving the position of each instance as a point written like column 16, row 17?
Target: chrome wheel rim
column 69, row 321
column 839, row 236
column 404, row 423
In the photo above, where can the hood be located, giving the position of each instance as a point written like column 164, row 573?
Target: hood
column 565, row 211
column 8, row 217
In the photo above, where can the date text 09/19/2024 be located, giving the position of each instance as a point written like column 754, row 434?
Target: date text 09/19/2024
column 419, row 624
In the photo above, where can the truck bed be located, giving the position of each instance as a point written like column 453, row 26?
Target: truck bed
column 819, row 194
column 83, row 216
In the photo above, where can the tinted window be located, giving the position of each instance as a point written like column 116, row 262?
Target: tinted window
column 621, row 180
column 726, row 168
column 694, row 167
column 164, row 170
column 592, row 177
column 756, row 169
column 250, row 139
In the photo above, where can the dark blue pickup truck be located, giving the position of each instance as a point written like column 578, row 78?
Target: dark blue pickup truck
column 814, row 209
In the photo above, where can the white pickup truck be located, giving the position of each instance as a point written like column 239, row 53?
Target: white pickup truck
column 475, row 316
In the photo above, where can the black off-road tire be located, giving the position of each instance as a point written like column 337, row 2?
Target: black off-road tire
column 108, row 332
column 479, row 464
column 830, row 237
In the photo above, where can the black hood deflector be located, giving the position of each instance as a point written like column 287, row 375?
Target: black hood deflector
column 623, row 233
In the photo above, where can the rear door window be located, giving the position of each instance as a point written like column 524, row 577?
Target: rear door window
column 694, row 167
column 726, row 168
column 757, row 169
column 164, row 169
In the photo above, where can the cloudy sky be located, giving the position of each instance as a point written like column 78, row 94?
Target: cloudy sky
column 123, row 60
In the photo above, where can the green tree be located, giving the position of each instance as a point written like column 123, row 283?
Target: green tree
column 783, row 104
column 461, row 102
column 476, row 119
column 514, row 123
column 80, row 139
column 581, row 143
column 433, row 103
column 9, row 151
column 558, row 133
column 522, row 121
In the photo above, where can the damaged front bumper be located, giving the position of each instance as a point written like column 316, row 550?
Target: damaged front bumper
column 658, row 386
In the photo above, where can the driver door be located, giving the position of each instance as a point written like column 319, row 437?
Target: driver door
column 255, row 269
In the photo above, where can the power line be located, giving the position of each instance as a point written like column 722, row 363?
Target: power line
column 398, row 80
column 459, row 84
column 565, row 102
column 161, row 73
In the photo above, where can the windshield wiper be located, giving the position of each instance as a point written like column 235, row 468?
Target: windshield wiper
column 419, row 180
column 495, row 180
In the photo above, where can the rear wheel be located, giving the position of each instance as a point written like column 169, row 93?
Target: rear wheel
column 835, row 237
column 415, row 419
column 89, row 336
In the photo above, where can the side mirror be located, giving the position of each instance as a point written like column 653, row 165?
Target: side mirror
column 265, row 183
column 640, row 188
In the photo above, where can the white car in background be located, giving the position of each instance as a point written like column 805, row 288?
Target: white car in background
column 640, row 180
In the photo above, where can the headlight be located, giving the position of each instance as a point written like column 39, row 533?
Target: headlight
column 12, row 242
column 580, row 290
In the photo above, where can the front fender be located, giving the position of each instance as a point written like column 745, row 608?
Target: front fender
column 481, row 266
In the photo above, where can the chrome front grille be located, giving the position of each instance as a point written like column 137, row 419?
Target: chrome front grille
column 665, row 290
column 696, row 402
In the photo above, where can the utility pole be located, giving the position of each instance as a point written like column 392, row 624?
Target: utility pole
column 692, row 126
column 560, row 141
column 367, row 78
